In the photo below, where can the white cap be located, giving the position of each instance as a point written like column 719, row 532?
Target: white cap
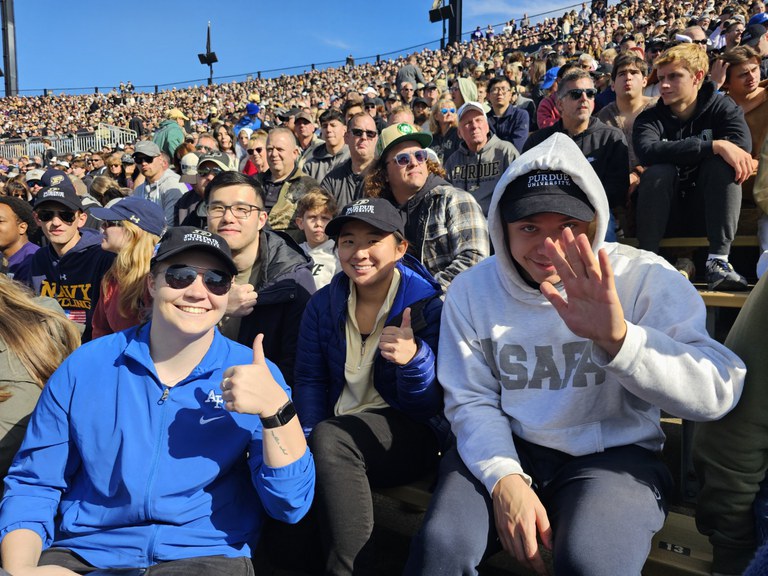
column 467, row 106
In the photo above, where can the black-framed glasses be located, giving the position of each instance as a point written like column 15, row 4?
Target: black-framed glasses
column 205, row 171
column 359, row 133
column 370, row 106
column 253, row 151
column 143, row 160
column 239, row 211
column 66, row 216
column 180, row 276
column 404, row 158
column 404, row 89
column 111, row 224
column 703, row 41
column 447, row 110
column 575, row 93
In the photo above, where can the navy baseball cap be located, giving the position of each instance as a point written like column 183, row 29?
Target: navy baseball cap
column 545, row 191
column 377, row 212
column 179, row 239
column 63, row 194
column 144, row 213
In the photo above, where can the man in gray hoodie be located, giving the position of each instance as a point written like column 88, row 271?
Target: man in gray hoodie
column 481, row 158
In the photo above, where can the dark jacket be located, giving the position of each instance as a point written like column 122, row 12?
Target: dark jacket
column 343, row 184
column 605, row 148
column 412, row 388
column 445, row 145
column 74, row 279
column 661, row 138
column 512, row 126
column 320, row 162
column 282, row 278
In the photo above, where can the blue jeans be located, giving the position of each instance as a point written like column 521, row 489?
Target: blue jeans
column 604, row 509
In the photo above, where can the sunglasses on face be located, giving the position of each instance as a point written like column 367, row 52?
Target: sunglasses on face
column 206, row 171
column 181, row 276
column 576, row 93
column 143, row 160
column 447, row 110
column 66, row 216
column 359, row 133
column 253, row 151
column 111, row 224
column 404, row 158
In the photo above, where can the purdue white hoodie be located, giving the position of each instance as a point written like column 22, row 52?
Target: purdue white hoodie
column 510, row 365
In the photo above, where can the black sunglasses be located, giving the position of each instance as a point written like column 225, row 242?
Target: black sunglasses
column 256, row 150
column 576, row 93
column 66, row 216
column 370, row 134
column 206, row 171
column 179, row 276
column 111, row 223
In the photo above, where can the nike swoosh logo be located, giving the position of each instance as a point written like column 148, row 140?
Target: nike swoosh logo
column 204, row 420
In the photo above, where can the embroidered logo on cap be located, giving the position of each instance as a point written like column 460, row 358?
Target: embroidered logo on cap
column 405, row 128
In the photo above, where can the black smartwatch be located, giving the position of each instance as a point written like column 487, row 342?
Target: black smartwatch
column 281, row 418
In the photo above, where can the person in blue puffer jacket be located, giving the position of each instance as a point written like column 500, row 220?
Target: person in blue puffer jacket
column 365, row 385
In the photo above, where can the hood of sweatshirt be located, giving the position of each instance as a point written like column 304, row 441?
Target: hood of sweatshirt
column 558, row 152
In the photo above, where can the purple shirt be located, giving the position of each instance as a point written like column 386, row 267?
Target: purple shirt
column 19, row 265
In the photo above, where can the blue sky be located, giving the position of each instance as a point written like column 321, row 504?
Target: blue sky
column 89, row 43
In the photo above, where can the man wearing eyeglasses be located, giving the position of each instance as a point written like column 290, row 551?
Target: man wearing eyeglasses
column 345, row 182
column 191, row 207
column 604, row 146
column 506, row 121
column 206, row 143
column 161, row 184
column 274, row 280
column 445, row 226
column 71, row 267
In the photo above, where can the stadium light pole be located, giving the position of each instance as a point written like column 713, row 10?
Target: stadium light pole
column 452, row 13
column 9, row 48
column 209, row 57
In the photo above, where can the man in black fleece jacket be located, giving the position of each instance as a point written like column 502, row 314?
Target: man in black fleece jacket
column 694, row 145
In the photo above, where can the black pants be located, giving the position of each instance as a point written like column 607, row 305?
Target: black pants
column 202, row 566
column 711, row 207
column 353, row 453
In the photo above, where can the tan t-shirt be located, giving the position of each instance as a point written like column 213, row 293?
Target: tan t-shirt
column 359, row 393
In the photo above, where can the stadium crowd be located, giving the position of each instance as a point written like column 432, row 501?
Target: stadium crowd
column 303, row 231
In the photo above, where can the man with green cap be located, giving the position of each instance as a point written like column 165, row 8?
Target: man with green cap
column 445, row 226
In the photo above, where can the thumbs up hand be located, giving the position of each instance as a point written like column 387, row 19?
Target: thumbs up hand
column 397, row 344
column 250, row 388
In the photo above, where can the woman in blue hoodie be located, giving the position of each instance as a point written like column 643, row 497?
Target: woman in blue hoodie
column 365, row 384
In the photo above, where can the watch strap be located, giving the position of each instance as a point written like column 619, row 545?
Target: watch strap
column 284, row 415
